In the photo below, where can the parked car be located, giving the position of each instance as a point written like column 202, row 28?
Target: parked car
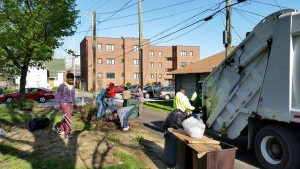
column 149, row 91
column 133, row 88
column 166, row 92
column 37, row 94
column 118, row 89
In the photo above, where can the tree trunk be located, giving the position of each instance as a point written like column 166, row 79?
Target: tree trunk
column 24, row 71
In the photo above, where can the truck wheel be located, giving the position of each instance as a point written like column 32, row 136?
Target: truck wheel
column 42, row 99
column 167, row 97
column 277, row 147
column 147, row 95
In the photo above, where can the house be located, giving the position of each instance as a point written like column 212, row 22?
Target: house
column 56, row 72
column 51, row 76
column 188, row 77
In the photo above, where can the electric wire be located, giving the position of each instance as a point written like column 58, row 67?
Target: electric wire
column 267, row 4
column 103, row 13
column 117, row 11
column 152, row 10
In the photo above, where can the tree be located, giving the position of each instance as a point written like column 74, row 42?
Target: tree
column 31, row 30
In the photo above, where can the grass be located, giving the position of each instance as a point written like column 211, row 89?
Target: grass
column 165, row 106
column 139, row 139
column 112, row 138
column 12, row 155
column 130, row 161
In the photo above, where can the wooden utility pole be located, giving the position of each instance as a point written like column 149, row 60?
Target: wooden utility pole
column 94, row 57
column 227, row 34
column 140, row 42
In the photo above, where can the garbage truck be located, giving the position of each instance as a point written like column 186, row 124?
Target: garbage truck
column 255, row 91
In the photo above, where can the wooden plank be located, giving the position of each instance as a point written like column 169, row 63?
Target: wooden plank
column 202, row 149
column 180, row 134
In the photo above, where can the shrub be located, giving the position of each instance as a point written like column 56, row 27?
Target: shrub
column 55, row 88
column 128, row 84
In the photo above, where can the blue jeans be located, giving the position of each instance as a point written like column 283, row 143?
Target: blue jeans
column 101, row 108
column 111, row 101
column 126, row 117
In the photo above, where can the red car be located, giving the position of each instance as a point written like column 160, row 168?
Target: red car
column 37, row 94
column 118, row 89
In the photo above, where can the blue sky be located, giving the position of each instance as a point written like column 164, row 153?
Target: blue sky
column 182, row 20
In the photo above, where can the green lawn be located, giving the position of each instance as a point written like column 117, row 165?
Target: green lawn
column 165, row 106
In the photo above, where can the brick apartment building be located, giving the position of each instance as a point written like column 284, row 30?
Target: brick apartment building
column 117, row 61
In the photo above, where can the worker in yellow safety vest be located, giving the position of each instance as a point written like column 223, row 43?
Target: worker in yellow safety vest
column 182, row 102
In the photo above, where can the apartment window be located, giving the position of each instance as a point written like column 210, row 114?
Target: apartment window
column 99, row 46
column 99, row 61
column 122, row 74
column 110, row 47
column 110, row 75
column 122, row 60
column 110, row 61
column 151, row 76
column 136, row 61
column 136, row 75
column 160, row 76
column 168, row 69
column 183, row 53
column 168, row 59
column 182, row 64
column 160, row 53
column 100, row 75
column 191, row 62
column 136, row 48
column 151, row 53
column 191, row 53
column 151, row 64
column 159, row 64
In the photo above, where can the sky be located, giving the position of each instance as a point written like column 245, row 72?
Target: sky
column 171, row 22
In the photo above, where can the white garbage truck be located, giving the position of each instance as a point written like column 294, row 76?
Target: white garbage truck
column 256, row 91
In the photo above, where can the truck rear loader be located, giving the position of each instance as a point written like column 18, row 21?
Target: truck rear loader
column 256, row 90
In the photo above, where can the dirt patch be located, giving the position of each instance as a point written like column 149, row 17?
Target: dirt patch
column 88, row 149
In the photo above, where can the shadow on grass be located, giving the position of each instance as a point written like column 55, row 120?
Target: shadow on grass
column 46, row 149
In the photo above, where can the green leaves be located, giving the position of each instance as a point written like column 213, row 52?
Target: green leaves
column 30, row 31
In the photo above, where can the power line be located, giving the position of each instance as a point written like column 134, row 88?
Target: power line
column 95, row 7
column 152, row 10
column 116, row 11
column 103, row 13
column 267, row 4
column 89, row 4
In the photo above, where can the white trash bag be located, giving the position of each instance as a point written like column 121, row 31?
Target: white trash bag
column 193, row 127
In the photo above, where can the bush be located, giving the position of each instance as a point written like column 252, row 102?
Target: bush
column 55, row 88
column 128, row 84
column 9, row 90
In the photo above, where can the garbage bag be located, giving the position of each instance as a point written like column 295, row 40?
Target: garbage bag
column 193, row 127
column 174, row 119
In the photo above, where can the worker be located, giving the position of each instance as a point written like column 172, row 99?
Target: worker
column 124, row 114
column 126, row 94
column 182, row 102
column 196, row 101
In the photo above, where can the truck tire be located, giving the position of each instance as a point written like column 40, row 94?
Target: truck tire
column 276, row 147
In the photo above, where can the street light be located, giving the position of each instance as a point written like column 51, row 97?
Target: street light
column 156, row 78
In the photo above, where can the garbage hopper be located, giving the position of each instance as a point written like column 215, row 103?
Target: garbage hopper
column 170, row 149
column 135, row 103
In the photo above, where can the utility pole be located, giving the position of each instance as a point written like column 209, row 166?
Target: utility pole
column 94, row 57
column 227, row 33
column 140, row 42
